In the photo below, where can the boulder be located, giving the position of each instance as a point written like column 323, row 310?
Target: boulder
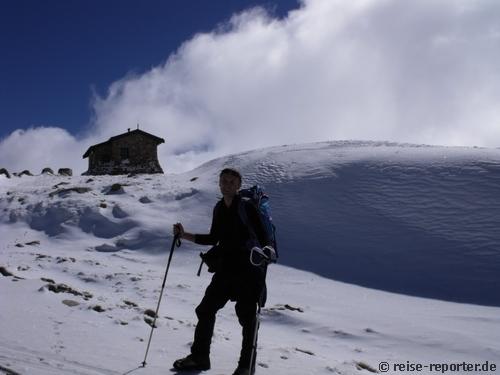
column 25, row 172
column 47, row 171
column 4, row 172
column 65, row 172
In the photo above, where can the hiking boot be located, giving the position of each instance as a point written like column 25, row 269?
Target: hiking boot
column 241, row 371
column 190, row 363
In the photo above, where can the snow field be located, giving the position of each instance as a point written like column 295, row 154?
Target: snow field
column 83, row 262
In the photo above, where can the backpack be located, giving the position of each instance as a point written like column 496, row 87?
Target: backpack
column 256, row 196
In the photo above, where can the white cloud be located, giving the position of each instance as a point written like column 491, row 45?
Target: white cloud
column 417, row 71
column 37, row 148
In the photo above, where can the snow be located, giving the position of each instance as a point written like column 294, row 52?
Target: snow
column 388, row 252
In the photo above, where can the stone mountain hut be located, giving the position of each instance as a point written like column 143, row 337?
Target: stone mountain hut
column 131, row 152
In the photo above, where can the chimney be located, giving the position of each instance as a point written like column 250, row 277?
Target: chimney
column 129, row 130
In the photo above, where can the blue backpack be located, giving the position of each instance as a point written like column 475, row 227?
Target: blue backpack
column 260, row 200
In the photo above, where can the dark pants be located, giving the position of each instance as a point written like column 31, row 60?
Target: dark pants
column 222, row 289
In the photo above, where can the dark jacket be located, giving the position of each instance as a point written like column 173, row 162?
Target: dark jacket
column 233, row 237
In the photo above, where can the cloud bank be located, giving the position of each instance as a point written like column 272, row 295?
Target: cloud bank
column 419, row 71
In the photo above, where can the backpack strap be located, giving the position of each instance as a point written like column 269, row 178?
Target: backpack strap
column 243, row 214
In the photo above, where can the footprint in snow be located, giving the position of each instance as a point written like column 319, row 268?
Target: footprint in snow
column 333, row 370
column 118, row 212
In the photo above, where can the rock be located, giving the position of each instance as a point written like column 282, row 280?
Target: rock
column 308, row 352
column 63, row 288
column 47, row 171
column 70, row 303
column 115, row 189
column 150, row 313
column 62, row 260
column 65, row 172
column 364, row 366
column 280, row 307
column 98, row 308
column 80, row 190
column 25, row 172
column 9, row 371
column 149, row 321
column 5, row 272
column 4, row 172
column 193, row 179
column 59, row 184
column 291, row 308
column 129, row 303
column 145, row 200
column 65, row 192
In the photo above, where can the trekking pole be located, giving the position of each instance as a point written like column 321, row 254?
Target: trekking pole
column 253, row 357
column 176, row 241
column 267, row 256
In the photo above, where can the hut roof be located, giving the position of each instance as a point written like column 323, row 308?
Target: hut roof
column 157, row 140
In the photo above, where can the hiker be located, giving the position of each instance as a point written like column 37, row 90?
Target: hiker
column 235, row 278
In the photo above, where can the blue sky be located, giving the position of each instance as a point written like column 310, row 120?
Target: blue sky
column 57, row 53
column 219, row 77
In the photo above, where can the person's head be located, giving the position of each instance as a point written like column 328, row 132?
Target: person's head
column 229, row 182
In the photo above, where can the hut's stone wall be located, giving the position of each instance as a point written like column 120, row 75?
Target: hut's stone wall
column 133, row 152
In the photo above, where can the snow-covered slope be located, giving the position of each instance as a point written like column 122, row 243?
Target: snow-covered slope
column 416, row 220
column 411, row 219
